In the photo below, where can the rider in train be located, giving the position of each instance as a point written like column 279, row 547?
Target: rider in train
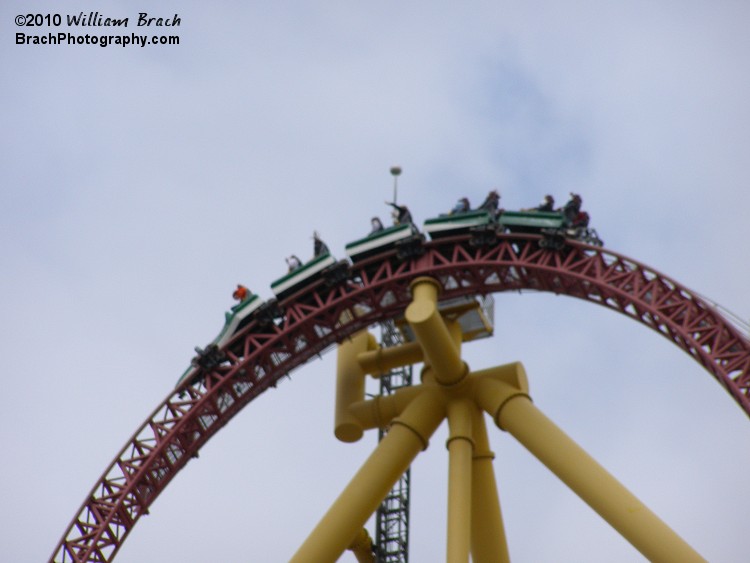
column 319, row 247
column 401, row 214
column 491, row 203
column 462, row 206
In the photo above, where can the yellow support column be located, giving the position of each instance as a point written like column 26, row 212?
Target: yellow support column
column 350, row 385
column 488, row 543
column 441, row 349
column 408, row 436
column 514, row 412
column 460, row 452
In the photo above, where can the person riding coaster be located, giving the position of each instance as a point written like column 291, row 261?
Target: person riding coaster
column 491, row 203
column 462, row 206
column 576, row 221
column 319, row 247
column 548, row 204
column 241, row 294
column 376, row 225
column 293, row 263
column 401, row 214
column 572, row 209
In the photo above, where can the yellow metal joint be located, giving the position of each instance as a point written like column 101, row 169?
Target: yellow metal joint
column 493, row 388
column 459, row 421
column 379, row 411
column 361, row 547
column 423, row 414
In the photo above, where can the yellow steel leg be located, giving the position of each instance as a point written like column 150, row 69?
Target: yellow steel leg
column 350, row 385
column 618, row 506
column 393, row 455
column 460, row 451
column 441, row 349
column 488, row 543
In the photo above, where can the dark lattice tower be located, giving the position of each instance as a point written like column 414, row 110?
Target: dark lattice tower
column 392, row 519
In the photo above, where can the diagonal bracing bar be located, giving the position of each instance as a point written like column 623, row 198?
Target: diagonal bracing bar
column 409, row 435
column 514, row 412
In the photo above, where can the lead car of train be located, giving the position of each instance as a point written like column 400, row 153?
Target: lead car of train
column 551, row 224
column 404, row 238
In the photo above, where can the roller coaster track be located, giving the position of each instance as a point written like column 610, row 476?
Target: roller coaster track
column 303, row 325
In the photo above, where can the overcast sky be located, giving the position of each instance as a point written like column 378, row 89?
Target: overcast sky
column 139, row 185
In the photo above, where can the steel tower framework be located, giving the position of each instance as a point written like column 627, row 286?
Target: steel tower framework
column 392, row 518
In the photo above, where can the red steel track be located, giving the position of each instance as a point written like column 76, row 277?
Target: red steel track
column 377, row 289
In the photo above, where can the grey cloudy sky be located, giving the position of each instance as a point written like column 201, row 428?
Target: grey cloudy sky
column 139, row 185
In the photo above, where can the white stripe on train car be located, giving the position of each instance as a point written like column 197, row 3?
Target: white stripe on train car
column 454, row 222
column 234, row 318
column 297, row 277
column 377, row 240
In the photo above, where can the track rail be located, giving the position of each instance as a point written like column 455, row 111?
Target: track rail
column 317, row 317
